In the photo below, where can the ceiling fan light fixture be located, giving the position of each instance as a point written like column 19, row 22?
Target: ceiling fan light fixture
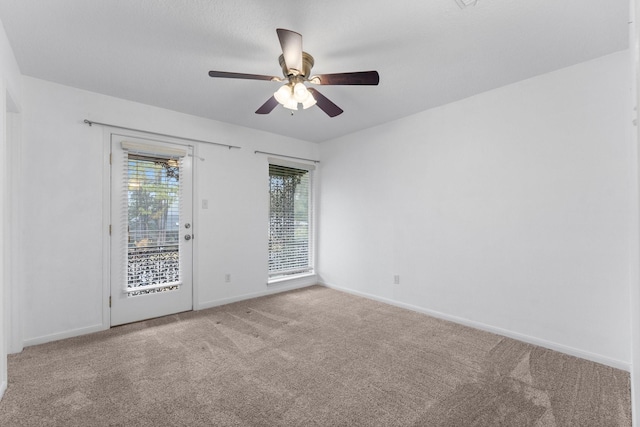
column 284, row 94
column 309, row 102
column 290, row 96
column 291, row 104
column 300, row 92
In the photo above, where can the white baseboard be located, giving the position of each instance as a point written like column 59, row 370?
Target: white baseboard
column 66, row 334
column 618, row 364
column 273, row 289
column 3, row 388
column 635, row 418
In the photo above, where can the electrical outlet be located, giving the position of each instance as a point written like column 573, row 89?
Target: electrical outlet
column 227, row 278
column 396, row 279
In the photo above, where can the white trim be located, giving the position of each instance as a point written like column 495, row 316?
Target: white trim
column 3, row 388
column 291, row 278
column 14, row 295
column 106, row 222
column 195, row 223
column 614, row 363
column 64, row 335
column 634, row 271
column 270, row 291
column 5, row 237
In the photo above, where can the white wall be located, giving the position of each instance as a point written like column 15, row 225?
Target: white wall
column 634, row 295
column 510, row 210
column 63, row 226
column 10, row 97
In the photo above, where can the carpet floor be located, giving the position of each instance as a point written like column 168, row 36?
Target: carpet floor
column 310, row 357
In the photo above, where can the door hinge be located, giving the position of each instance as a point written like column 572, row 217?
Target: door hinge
column 110, row 158
column 109, row 301
column 109, row 229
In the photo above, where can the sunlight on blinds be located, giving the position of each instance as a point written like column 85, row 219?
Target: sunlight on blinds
column 289, row 221
column 153, row 217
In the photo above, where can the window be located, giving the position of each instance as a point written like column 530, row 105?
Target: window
column 152, row 214
column 290, row 220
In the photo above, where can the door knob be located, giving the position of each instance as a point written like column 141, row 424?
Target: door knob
column 187, row 237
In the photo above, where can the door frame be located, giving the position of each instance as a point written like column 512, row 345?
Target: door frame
column 106, row 211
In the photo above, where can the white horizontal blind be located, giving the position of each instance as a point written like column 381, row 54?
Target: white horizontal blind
column 290, row 221
column 154, row 150
column 152, row 214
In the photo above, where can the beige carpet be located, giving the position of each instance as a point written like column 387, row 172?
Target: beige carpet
column 312, row 357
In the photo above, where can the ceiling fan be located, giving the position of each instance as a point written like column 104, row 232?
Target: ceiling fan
column 296, row 67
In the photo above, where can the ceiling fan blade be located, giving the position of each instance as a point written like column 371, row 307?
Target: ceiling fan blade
column 325, row 104
column 228, row 75
column 371, row 78
column 291, row 44
column 268, row 106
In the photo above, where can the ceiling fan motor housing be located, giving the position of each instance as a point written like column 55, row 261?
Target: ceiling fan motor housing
column 307, row 65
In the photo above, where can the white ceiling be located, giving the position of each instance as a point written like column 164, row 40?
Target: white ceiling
column 428, row 52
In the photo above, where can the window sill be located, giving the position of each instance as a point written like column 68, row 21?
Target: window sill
column 293, row 278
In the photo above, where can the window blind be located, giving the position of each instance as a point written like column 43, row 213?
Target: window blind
column 151, row 213
column 153, row 150
column 290, row 221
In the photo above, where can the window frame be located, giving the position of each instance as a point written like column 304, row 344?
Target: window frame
column 274, row 277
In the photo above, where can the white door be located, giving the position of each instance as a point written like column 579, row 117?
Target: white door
column 151, row 229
